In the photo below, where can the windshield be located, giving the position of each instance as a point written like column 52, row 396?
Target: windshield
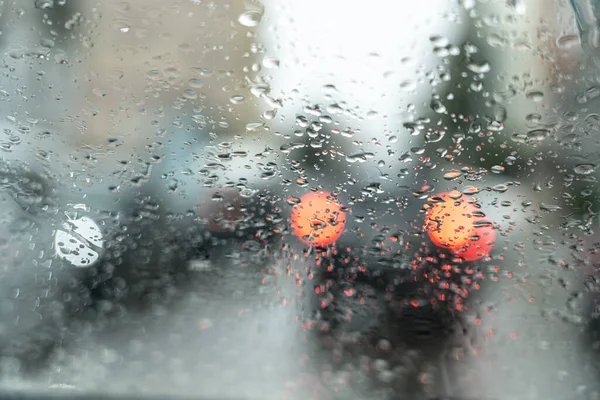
column 300, row 199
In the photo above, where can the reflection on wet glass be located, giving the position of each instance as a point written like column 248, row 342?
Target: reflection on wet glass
column 300, row 199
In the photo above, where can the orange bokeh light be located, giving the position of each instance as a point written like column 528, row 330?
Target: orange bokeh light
column 454, row 223
column 318, row 220
column 480, row 244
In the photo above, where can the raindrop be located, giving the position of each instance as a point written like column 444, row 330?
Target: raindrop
column 435, row 136
column 270, row 62
column 190, row 94
column 408, row 86
column 538, row 134
column 237, row 99
column 254, row 126
column 292, row 201
column 302, row 182
column 269, row 114
column 467, row 4
column 479, row 68
column 452, row 175
column 549, row 207
column 533, row 118
column 44, row 4
column 250, row 18
column 301, row 121
column 438, row 41
column 360, row 157
column 566, row 42
column 584, row 169
column 267, row 175
column 497, row 169
column 200, row 120
column 536, row 96
column 441, row 52
column 437, row 106
column 260, row 90
column 288, row 148
column 481, row 224
column 6, row 147
column 371, row 114
column 334, row 109
column 196, row 83
column 476, row 86
column 500, row 188
column 471, row 190
column 329, row 89
column 48, row 43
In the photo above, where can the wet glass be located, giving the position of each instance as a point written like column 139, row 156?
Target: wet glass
column 300, row 199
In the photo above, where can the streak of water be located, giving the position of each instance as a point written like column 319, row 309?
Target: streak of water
column 587, row 17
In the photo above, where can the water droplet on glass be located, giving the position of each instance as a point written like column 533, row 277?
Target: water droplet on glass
column 566, row 42
column 479, row 68
column 408, row 86
column 301, row 121
column 250, row 18
column 481, row 223
column 237, row 99
column 452, row 175
column 584, row 169
column 190, row 94
column 267, row 175
column 549, row 207
column 269, row 114
column 329, row 89
column 270, row 62
column 435, row 136
column 288, row 148
column 476, row 86
column 254, row 126
column 537, row 135
column 292, row 201
column 196, row 83
column 6, row 147
column 371, row 114
column 200, row 120
column 360, row 157
column 497, row 169
column 533, row 118
column 500, row 188
column 437, row 106
column 260, row 90
column 48, row 43
column 467, row 4
column 471, row 190
column 439, row 41
column 535, row 96
column 44, row 4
